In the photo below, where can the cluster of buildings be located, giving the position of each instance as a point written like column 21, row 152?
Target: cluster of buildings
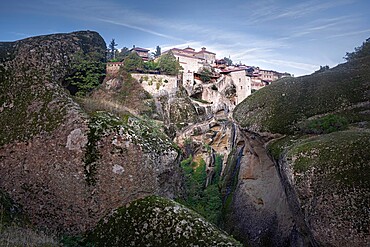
column 244, row 78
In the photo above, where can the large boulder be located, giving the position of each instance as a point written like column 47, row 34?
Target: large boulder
column 156, row 221
column 68, row 169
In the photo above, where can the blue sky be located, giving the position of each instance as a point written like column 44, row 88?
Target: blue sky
column 287, row 36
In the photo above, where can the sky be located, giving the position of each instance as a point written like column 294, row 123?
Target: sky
column 287, row 36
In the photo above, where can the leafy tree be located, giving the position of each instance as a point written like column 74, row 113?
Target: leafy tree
column 133, row 62
column 87, row 72
column 122, row 54
column 229, row 62
column 151, row 65
column 168, row 64
column 157, row 52
column 112, row 48
column 362, row 51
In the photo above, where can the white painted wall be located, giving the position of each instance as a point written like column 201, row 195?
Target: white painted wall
column 155, row 83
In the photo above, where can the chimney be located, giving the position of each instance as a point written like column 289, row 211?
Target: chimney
column 203, row 48
column 133, row 46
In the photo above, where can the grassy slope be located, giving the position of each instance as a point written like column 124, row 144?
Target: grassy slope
column 280, row 107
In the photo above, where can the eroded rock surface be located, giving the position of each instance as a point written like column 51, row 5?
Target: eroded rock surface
column 66, row 169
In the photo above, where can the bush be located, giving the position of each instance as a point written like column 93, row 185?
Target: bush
column 205, row 74
column 360, row 52
column 87, row 72
column 326, row 124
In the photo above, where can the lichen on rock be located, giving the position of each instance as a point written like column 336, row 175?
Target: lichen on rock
column 155, row 221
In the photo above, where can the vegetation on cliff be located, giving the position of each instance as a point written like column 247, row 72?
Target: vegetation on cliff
column 203, row 198
column 15, row 229
column 87, row 73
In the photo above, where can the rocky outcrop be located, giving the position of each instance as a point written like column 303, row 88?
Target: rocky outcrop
column 324, row 157
column 65, row 168
column 255, row 208
column 155, row 221
column 327, row 180
column 258, row 212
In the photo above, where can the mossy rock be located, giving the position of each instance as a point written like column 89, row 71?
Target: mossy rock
column 343, row 156
column 155, row 221
column 32, row 70
column 330, row 175
column 284, row 106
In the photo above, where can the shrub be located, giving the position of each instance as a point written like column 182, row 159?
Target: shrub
column 205, row 74
column 326, row 124
column 87, row 72
column 133, row 63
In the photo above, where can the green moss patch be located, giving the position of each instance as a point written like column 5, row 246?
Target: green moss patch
column 143, row 133
column 280, row 106
column 343, row 157
column 155, row 221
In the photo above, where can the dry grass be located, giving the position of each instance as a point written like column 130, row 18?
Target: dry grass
column 15, row 236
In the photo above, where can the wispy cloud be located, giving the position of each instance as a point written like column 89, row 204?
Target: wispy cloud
column 324, row 26
column 267, row 10
column 350, row 33
column 291, row 64
column 140, row 29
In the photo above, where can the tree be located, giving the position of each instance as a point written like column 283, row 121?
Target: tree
column 168, row 64
column 133, row 63
column 112, row 49
column 151, row 65
column 122, row 54
column 229, row 62
column 87, row 72
column 360, row 52
column 157, row 52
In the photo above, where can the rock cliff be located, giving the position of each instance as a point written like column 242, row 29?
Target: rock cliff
column 66, row 168
column 323, row 156
column 254, row 206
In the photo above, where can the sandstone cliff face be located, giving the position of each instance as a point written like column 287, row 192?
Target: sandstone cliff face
column 66, row 169
column 255, row 208
column 324, row 174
